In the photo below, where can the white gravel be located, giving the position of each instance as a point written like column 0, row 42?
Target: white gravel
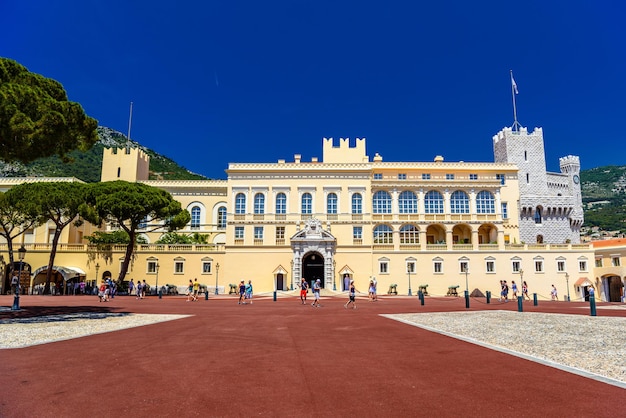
column 24, row 332
column 592, row 346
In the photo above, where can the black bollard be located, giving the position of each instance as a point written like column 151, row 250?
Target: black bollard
column 420, row 294
column 520, row 304
column 534, row 299
column 274, row 296
column 206, row 295
column 160, row 294
column 592, row 305
column 488, row 296
column 467, row 304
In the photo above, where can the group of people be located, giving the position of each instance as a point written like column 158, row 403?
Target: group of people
column 504, row 290
column 140, row 288
column 245, row 292
column 107, row 290
column 192, row 290
column 304, row 290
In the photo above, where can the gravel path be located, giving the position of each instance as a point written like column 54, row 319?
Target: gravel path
column 577, row 343
column 18, row 333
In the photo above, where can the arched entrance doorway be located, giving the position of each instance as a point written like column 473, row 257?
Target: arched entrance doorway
column 313, row 268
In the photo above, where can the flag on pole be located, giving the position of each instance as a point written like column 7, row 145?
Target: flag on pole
column 514, row 84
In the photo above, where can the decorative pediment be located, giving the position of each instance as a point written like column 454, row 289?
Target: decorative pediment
column 345, row 270
column 279, row 270
column 313, row 231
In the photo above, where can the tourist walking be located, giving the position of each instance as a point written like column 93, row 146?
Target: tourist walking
column 144, row 288
column 351, row 296
column 242, row 292
column 139, row 290
column 514, row 289
column 317, row 288
column 131, row 287
column 304, row 289
column 189, row 291
column 525, row 290
column 375, row 293
column 554, row 294
column 196, row 289
column 370, row 291
column 249, row 291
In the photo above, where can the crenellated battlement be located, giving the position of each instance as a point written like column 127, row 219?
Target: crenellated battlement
column 344, row 153
column 125, row 163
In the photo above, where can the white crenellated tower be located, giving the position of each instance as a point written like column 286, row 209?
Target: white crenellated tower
column 550, row 204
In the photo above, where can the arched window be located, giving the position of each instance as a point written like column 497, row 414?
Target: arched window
column 409, row 234
column 307, row 204
column 357, row 203
column 459, row 202
column 538, row 215
column 195, row 217
column 221, row 217
column 281, row 203
column 331, row 203
column 485, row 202
column 259, row 204
column 407, row 202
column 433, row 202
column 383, row 234
column 382, row 202
column 240, row 204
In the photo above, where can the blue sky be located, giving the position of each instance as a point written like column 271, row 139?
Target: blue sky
column 214, row 82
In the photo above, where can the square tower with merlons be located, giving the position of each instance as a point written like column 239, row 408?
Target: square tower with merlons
column 550, row 204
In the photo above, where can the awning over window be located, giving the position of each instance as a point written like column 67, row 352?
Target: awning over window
column 583, row 281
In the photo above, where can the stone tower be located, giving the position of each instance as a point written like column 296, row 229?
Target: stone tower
column 130, row 164
column 550, row 204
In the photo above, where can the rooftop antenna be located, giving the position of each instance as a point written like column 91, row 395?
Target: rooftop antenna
column 516, row 125
column 130, row 121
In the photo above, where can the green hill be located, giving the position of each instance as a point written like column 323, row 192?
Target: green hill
column 86, row 165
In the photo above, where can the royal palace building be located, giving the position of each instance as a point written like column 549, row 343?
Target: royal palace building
column 412, row 225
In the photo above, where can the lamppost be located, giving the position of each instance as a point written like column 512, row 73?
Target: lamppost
column 567, row 284
column 16, row 297
column 466, row 279
column 409, row 268
column 292, row 276
column 95, row 282
column 217, row 275
column 521, row 280
column 156, row 268
column 334, row 278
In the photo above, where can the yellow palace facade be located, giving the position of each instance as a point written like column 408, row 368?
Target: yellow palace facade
column 348, row 216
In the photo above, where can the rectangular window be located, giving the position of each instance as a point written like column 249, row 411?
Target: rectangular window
column 449, row 176
column 560, row 266
column 539, row 266
column 402, row 176
column 357, row 232
column 438, row 267
column 507, row 239
column 598, row 262
column 505, row 211
column 473, row 176
column 515, row 266
column 490, row 267
column 383, row 267
column 179, row 267
column 582, row 265
column 152, row 266
column 425, row 176
column 207, row 267
column 501, row 177
column 280, row 232
column 463, row 266
column 615, row 262
column 239, row 232
column 378, row 176
column 410, row 267
column 258, row 232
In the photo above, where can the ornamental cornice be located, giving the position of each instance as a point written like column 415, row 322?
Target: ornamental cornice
column 13, row 181
column 204, row 184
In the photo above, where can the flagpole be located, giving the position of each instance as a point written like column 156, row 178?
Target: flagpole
column 130, row 120
column 516, row 124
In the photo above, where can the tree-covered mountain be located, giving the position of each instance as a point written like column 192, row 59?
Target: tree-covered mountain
column 604, row 198
column 86, row 165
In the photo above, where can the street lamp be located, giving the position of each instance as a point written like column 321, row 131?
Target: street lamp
column 521, row 281
column 157, row 277
column 409, row 269
column 334, row 278
column 16, row 297
column 292, row 276
column 95, row 282
column 567, row 284
column 466, row 279
column 217, row 275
